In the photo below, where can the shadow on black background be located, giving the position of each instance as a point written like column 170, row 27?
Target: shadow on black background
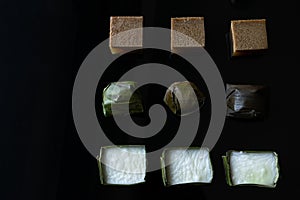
column 42, row 46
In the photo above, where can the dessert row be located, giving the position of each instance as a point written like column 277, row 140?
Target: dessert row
column 184, row 98
column 127, row 165
column 246, row 36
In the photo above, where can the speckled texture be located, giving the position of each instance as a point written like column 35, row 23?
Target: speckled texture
column 248, row 35
column 193, row 27
column 134, row 34
column 123, row 165
column 253, row 168
column 188, row 166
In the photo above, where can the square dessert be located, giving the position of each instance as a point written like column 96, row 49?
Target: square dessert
column 187, row 32
column 190, row 165
column 126, row 33
column 122, row 165
column 248, row 36
column 258, row 168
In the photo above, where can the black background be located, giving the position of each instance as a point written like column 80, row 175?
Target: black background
column 42, row 46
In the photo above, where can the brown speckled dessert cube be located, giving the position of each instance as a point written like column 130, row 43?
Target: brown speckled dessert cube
column 248, row 36
column 193, row 27
column 132, row 36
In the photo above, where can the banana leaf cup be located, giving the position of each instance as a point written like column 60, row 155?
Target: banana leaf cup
column 181, row 165
column 251, row 168
column 122, row 165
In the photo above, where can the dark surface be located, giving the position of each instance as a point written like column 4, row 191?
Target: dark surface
column 42, row 46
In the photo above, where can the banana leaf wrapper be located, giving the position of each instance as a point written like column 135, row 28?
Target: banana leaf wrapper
column 165, row 167
column 247, row 101
column 102, row 166
column 120, row 95
column 228, row 169
column 184, row 92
